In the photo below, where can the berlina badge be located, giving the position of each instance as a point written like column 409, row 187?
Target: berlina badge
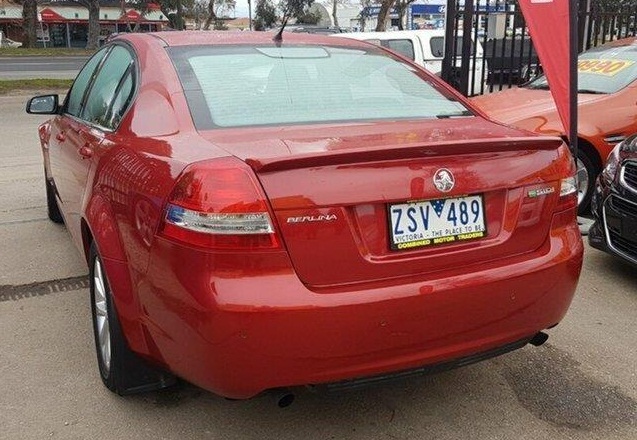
column 444, row 181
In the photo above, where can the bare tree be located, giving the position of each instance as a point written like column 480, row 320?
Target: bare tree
column 29, row 22
column 402, row 6
column 215, row 8
column 385, row 7
column 334, row 9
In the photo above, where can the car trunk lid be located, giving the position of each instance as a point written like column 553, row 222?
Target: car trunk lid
column 333, row 188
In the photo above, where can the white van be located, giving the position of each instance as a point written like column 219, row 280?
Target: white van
column 425, row 47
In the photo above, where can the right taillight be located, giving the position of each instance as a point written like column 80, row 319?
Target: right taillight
column 219, row 204
column 568, row 194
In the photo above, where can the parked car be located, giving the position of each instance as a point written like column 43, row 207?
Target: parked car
column 310, row 29
column 6, row 42
column 314, row 211
column 614, row 204
column 426, row 47
column 607, row 97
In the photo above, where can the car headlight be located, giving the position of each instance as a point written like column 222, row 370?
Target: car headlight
column 612, row 163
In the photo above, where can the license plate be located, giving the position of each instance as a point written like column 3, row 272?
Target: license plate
column 433, row 222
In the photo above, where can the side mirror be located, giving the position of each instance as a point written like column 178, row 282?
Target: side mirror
column 43, row 105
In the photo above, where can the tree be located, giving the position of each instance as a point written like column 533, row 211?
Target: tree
column 385, row 7
column 293, row 8
column 93, row 7
column 215, row 9
column 174, row 11
column 265, row 15
column 308, row 18
column 402, row 6
column 365, row 14
column 29, row 23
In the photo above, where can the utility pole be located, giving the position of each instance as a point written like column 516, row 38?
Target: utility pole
column 250, row 14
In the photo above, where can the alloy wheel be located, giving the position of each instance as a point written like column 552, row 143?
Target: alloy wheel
column 101, row 316
column 582, row 181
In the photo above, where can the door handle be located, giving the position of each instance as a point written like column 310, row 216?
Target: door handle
column 86, row 152
column 60, row 137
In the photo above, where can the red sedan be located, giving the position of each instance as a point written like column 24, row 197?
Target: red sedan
column 314, row 211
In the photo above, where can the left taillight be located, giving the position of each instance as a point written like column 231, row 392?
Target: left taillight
column 219, row 204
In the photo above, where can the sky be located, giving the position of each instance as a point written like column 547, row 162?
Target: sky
column 241, row 9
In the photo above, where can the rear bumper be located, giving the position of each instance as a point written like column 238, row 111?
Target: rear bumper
column 240, row 333
column 364, row 382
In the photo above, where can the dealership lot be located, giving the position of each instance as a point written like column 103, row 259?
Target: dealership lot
column 582, row 384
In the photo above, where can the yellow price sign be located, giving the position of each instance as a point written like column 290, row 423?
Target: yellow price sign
column 603, row 67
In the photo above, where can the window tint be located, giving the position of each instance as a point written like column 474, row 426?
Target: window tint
column 403, row 47
column 244, row 86
column 105, row 88
column 80, row 84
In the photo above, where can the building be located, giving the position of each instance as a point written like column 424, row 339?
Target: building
column 65, row 24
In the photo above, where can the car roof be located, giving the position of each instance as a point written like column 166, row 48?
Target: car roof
column 630, row 41
column 396, row 34
column 200, row 38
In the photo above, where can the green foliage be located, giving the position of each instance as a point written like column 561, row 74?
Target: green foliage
column 174, row 11
column 265, row 15
column 294, row 8
column 308, row 18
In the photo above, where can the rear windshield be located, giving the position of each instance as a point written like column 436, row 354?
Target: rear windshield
column 239, row 86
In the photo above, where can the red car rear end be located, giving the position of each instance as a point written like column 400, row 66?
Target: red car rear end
column 297, row 245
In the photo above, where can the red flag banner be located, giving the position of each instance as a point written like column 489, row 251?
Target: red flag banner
column 548, row 23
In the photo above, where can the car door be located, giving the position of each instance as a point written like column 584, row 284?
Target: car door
column 66, row 166
column 100, row 116
column 81, row 129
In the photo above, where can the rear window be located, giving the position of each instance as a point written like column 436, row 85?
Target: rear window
column 238, row 86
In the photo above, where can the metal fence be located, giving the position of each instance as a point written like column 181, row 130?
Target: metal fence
column 488, row 47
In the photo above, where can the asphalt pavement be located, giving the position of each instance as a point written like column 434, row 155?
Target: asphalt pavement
column 582, row 384
column 65, row 67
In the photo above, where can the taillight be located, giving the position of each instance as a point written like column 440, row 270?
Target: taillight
column 568, row 189
column 568, row 192
column 219, row 204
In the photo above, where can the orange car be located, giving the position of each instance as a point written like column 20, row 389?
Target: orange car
column 607, row 107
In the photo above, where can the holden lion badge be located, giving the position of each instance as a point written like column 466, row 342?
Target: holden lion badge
column 443, row 179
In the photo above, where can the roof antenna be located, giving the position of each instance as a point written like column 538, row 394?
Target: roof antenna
column 278, row 38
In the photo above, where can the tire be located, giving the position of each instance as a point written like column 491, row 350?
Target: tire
column 53, row 210
column 586, row 175
column 122, row 371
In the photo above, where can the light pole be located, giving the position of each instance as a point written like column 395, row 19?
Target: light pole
column 250, row 14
